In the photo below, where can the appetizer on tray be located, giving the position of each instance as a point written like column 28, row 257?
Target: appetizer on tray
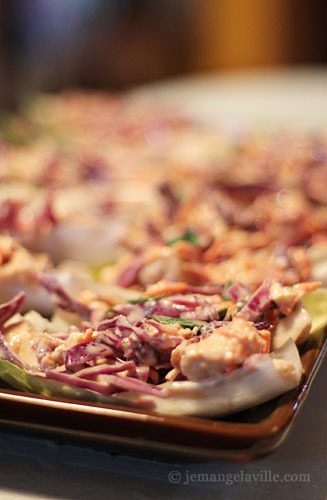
column 149, row 261
column 177, row 349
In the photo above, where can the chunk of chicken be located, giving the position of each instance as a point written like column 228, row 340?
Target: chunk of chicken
column 224, row 350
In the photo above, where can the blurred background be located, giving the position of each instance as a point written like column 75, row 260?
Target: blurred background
column 115, row 44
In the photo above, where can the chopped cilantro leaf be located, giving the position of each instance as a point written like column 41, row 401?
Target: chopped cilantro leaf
column 189, row 236
column 138, row 301
column 146, row 299
column 227, row 287
column 184, row 322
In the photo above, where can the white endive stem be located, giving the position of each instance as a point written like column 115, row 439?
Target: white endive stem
column 262, row 378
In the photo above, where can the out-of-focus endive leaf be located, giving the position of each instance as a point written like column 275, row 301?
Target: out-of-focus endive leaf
column 316, row 304
column 23, row 380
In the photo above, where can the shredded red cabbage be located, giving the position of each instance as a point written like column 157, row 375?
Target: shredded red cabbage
column 258, row 303
column 64, row 300
column 109, row 384
column 7, row 311
column 133, row 384
column 68, row 378
column 47, row 216
column 237, row 291
column 95, row 370
column 9, row 215
column 11, row 308
column 191, row 306
column 83, row 352
column 129, row 276
column 6, row 352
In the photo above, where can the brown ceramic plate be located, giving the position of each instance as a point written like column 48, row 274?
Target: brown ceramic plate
column 243, row 436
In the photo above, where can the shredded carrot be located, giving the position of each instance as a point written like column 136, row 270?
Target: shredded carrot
column 88, row 336
column 187, row 251
column 265, row 334
column 164, row 287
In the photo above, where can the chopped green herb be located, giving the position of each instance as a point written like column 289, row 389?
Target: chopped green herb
column 184, row 322
column 227, row 287
column 222, row 310
column 146, row 299
column 189, row 236
column 138, row 301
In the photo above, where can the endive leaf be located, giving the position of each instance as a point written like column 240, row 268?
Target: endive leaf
column 23, row 380
column 315, row 302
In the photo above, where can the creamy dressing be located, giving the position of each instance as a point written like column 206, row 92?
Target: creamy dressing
column 26, row 342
